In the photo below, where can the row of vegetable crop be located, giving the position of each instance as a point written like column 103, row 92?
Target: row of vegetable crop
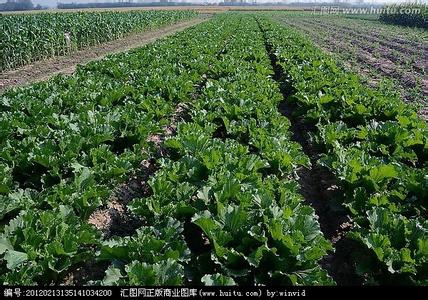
column 375, row 145
column 30, row 37
column 67, row 142
column 226, row 207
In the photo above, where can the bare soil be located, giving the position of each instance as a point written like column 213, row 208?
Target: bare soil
column 114, row 219
column 371, row 35
column 368, row 40
column 320, row 190
column 87, row 271
column 374, row 57
column 43, row 70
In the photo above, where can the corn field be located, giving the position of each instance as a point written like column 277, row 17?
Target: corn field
column 27, row 38
column 413, row 15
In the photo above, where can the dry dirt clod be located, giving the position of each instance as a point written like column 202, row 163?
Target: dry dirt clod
column 180, row 114
column 101, row 219
column 114, row 218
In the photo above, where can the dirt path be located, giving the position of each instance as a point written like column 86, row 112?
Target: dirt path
column 42, row 70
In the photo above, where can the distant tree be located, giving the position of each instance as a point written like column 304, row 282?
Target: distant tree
column 11, row 5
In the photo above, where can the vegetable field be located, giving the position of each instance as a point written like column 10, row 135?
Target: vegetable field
column 233, row 153
column 383, row 55
column 30, row 37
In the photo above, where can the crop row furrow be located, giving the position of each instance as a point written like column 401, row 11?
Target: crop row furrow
column 226, row 207
column 66, row 143
column 377, row 148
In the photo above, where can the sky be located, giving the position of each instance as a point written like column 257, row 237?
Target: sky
column 52, row 3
